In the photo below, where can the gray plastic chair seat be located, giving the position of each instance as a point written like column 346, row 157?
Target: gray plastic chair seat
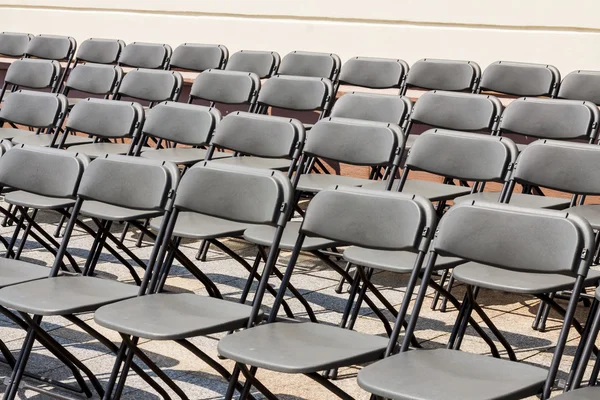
column 32, row 200
column 74, row 100
column 518, row 199
column 314, row 183
column 9, row 133
column 45, row 140
column 110, row 212
column 13, row 272
column 301, row 347
column 65, row 295
column 450, row 374
column 434, row 191
column 588, row 393
column 591, row 212
column 181, row 155
column 516, row 281
column 173, row 316
column 198, row 226
column 97, row 150
column 394, row 261
column 263, row 235
column 257, row 162
column 521, row 146
column 410, row 140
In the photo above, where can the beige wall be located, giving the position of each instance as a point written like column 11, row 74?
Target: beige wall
column 565, row 33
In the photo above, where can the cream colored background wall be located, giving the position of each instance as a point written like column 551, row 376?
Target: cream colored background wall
column 563, row 33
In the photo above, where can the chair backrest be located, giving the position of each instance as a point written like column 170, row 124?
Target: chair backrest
column 228, row 87
column 33, row 74
column 371, row 218
column 296, row 93
column 372, row 107
column 146, row 55
column 42, row 170
column 51, row 47
column 262, row 63
column 94, row 78
column 151, row 85
column 100, row 51
column 182, row 123
column 199, row 57
column 374, row 73
column 34, row 109
column 311, row 64
column 105, row 118
column 457, row 111
column 449, row 75
column 132, row 182
column 355, row 142
column 259, row 135
column 565, row 166
column 250, row 195
column 520, row 79
column 463, row 155
column 518, row 239
column 581, row 85
column 14, row 44
column 551, row 119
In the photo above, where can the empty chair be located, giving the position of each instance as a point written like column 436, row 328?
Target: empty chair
column 374, row 73
column 100, row 51
column 581, row 85
column 92, row 79
column 52, row 47
column 263, row 63
column 226, row 87
column 588, row 393
column 32, row 75
column 520, row 79
column 150, row 86
column 146, row 55
column 199, row 57
column 14, row 44
column 372, row 107
column 311, row 64
column 448, row 75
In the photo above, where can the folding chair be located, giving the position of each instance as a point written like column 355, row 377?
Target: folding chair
column 32, row 75
column 509, row 249
column 263, row 63
column 99, row 51
column 311, row 64
column 151, row 86
column 370, row 219
column 374, row 73
column 51, row 47
column 109, row 186
column 146, row 55
column 373, row 107
column 225, row 87
column 199, row 57
column 239, row 195
column 448, row 75
column 92, row 79
column 14, row 44
column 520, row 79
column 580, row 85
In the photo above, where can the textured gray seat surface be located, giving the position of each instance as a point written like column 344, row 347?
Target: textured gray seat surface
column 173, row 316
column 516, row 281
column 181, row 155
column 301, row 347
column 45, row 140
column 410, row 140
column 257, row 162
column 101, row 210
column 433, row 191
column 316, row 182
column 32, row 200
column 13, row 272
column 591, row 212
column 198, row 226
column 74, row 100
column 449, row 374
column 65, row 295
column 263, row 235
column 588, row 393
column 9, row 133
column 395, row 261
column 96, row 150
column 518, row 199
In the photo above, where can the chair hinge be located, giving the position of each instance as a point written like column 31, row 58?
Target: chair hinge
column 426, row 232
column 437, row 231
column 510, row 166
column 171, row 194
column 584, row 253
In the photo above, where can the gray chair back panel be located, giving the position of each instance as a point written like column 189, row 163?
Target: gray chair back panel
column 354, row 141
column 462, row 155
column 105, row 118
column 449, row 75
column 310, row 64
column 228, row 87
column 581, row 85
column 369, row 218
column 14, row 44
column 235, row 193
column 519, row 239
column 295, row 92
column 520, row 79
column 151, row 85
column 458, row 111
column 44, row 171
column 181, row 123
column 199, row 57
column 259, row 135
column 94, row 78
column 34, row 109
column 375, row 73
column 100, row 51
column 131, row 182
column 551, row 119
column 34, row 74
column 145, row 55
column 372, row 107
column 262, row 63
column 565, row 166
column 51, row 47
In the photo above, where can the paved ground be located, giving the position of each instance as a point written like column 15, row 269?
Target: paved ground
column 513, row 314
